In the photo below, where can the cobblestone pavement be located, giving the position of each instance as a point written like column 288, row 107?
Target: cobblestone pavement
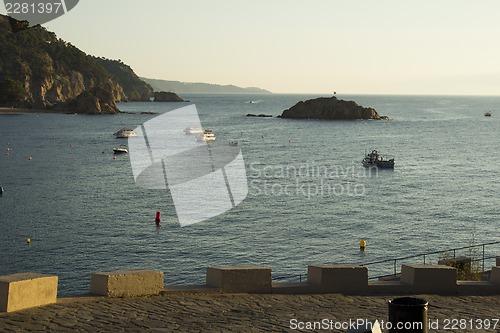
column 242, row 313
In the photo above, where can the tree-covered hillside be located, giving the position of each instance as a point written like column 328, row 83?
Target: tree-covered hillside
column 39, row 70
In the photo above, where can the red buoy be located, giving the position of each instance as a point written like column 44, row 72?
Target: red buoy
column 157, row 219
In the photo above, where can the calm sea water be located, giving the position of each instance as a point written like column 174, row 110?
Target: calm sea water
column 310, row 201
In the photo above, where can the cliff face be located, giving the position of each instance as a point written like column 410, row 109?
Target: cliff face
column 133, row 87
column 53, row 72
column 330, row 108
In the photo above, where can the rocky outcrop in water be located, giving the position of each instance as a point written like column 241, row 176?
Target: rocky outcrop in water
column 164, row 96
column 330, row 108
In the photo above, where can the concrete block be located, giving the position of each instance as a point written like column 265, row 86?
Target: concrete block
column 438, row 279
column 240, row 279
column 26, row 290
column 338, row 278
column 495, row 274
column 127, row 283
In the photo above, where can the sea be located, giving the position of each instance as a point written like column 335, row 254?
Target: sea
column 309, row 200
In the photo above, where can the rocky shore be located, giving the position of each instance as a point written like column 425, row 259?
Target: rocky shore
column 14, row 111
column 237, row 313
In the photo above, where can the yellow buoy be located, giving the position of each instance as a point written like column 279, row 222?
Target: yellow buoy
column 362, row 245
column 28, row 240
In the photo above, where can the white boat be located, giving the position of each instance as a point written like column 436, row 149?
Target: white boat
column 120, row 150
column 207, row 136
column 193, row 130
column 125, row 133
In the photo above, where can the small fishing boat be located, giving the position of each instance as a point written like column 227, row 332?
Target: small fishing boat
column 122, row 149
column 374, row 159
column 207, row 136
column 487, row 114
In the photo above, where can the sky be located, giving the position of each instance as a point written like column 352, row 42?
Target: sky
column 449, row 47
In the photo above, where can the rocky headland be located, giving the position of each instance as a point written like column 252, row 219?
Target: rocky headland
column 330, row 108
column 40, row 71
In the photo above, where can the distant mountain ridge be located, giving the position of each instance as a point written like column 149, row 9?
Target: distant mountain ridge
column 198, row 87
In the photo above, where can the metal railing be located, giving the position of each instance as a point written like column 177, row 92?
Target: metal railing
column 290, row 278
column 426, row 255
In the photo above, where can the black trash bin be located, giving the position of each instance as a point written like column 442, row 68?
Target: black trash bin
column 409, row 314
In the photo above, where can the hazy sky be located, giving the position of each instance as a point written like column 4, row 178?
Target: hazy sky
column 287, row 46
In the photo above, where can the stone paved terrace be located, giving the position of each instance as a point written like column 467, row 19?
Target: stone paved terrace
column 232, row 312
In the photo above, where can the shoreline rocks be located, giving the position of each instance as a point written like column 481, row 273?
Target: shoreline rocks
column 330, row 108
column 94, row 101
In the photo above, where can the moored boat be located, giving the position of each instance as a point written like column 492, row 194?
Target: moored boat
column 207, row 136
column 125, row 133
column 122, row 149
column 487, row 114
column 193, row 130
column 374, row 159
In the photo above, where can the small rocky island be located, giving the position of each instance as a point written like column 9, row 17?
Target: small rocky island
column 330, row 108
column 166, row 96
